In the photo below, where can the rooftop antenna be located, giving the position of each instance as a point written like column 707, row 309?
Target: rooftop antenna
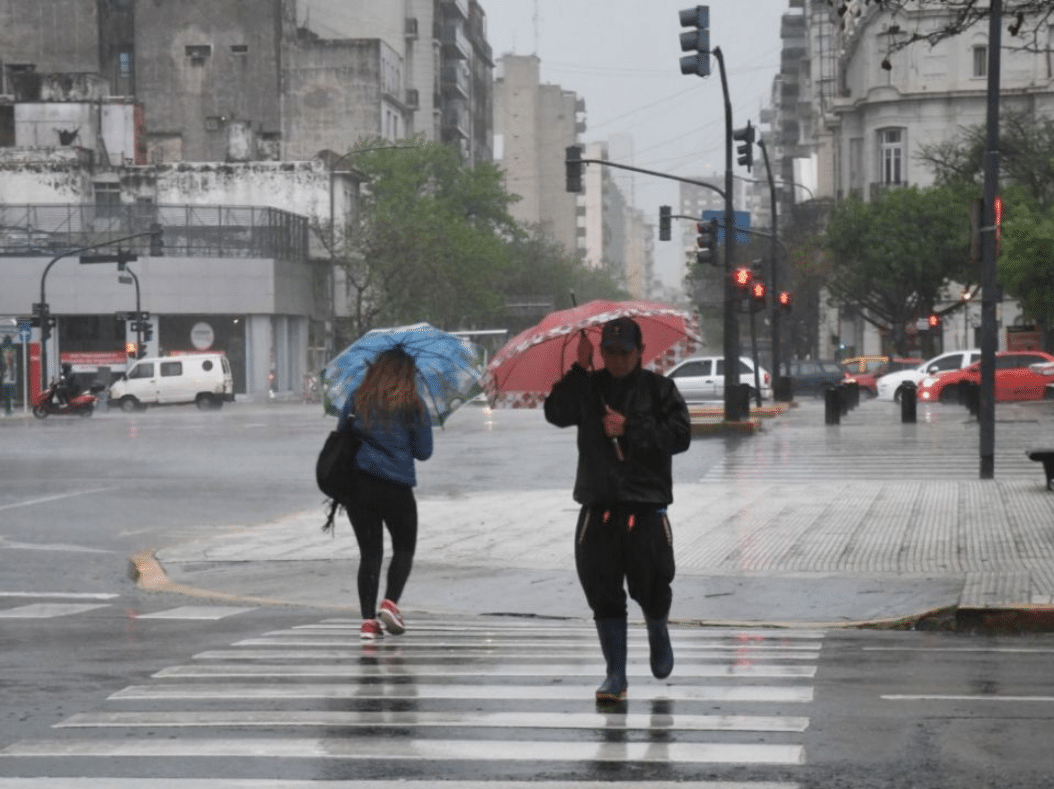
column 535, row 19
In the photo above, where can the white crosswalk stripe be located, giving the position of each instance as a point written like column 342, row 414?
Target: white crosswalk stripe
column 50, row 610
column 488, row 703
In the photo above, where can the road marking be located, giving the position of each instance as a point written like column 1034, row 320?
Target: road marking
column 197, row 612
column 515, row 720
column 1008, row 650
column 253, row 783
column 409, row 655
column 56, row 497
column 47, row 610
column 422, row 641
column 1041, row 699
column 475, row 670
column 62, row 595
column 376, row 748
column 557, row 691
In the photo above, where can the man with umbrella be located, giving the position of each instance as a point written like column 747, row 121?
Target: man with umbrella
column 630, row 423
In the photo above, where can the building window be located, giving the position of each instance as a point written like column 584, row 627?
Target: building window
column 198, row 53
column 980, row 61
column 239, row 49
column 891, row 157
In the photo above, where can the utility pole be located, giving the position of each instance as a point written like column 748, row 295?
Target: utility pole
column 777, row 389
column 991, row 295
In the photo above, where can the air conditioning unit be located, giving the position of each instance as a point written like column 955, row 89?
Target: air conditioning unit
column 413, row 99
column 411, row 27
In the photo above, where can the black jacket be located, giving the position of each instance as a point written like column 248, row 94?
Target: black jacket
column 657, row 427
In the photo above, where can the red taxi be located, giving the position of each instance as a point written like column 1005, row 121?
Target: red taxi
column 1019, row 375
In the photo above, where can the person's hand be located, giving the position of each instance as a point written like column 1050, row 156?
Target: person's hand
column 585, row 351
column 614, row 422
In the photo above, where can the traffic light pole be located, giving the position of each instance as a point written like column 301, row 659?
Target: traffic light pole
column 45, row 332
column 777, row 388
column 733, row 410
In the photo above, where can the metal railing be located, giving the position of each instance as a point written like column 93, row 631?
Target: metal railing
column 189, row 230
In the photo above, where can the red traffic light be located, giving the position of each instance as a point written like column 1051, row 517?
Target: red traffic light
column 757, row 291
column 934, row 321
column 742, row 277
column 784, row 299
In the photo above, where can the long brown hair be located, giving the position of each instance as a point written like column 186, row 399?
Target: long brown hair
column 389, row 389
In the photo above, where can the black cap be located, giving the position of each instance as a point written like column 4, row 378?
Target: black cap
column 622, row 334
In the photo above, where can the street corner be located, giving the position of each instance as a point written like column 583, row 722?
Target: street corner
column 823, row 601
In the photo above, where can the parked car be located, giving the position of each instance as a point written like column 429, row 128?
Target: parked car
column 1019, row 375
column 812, row 376
column 890, row 385
column 868, row 382
column 703, row 378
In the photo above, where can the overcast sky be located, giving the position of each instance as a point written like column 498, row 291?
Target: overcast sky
column 622, row 58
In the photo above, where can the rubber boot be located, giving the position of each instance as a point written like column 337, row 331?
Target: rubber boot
column 612, row 634
column 659, row 645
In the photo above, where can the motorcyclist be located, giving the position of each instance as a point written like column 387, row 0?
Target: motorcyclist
column 67, row 388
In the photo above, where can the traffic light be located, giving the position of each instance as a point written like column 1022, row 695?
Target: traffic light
column 148, row 332
column 157, row 240
column 131, row 349
column 933, row 322
column 573, row 163
column 742, row 278
column 664, row 223
column 757, row 295
column 707, row 243
column 697, row 41
column 746, row 149
column 783, row 299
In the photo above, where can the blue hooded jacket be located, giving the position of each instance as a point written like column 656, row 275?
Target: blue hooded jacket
column 400, row 444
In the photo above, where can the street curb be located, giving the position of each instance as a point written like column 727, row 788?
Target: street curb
column 147, row 573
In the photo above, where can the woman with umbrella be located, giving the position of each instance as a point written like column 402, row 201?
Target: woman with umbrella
column 387, row 407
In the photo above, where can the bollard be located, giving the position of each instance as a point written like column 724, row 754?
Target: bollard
column 970, row 395
column 743, row 401
column 832, row 409
column 843, row 398
column 783, row 389
column 852, row 393
column 908, row 404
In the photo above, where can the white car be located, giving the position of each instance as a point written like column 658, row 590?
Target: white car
column 703, row 378
column 889, row 386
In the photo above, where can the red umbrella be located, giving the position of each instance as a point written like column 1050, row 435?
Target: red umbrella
column 523, row 372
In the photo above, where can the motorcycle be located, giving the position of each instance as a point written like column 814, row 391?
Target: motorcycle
column 47, row 403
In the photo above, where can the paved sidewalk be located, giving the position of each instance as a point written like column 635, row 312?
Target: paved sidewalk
column 868, row 522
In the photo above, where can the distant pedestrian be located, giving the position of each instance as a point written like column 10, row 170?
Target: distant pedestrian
column 8, row 374
column 386, row 406
column 630, row 423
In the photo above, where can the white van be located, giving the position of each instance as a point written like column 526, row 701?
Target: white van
column 204, row 379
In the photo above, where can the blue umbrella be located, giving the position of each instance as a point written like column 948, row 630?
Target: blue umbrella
column 449, row 368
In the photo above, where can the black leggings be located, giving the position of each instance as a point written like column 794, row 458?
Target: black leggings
column 381, row 503
column 629, row 545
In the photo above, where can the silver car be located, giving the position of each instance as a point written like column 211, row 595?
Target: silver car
column 703, row 378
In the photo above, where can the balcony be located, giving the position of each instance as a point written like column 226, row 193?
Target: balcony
column 455, row 80
column 455, row 43
column 458, row 7
column 456, row 122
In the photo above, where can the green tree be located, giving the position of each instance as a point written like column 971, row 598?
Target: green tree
column 430, row 238
column 892, row 257
column 1027, row 189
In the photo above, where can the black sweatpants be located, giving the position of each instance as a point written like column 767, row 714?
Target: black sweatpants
column 625, row 543
column 380, row 504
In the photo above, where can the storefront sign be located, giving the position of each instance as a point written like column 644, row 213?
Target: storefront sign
column 202, row 336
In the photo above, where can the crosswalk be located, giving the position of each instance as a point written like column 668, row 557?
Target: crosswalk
column 504, row 703
column 51, row 605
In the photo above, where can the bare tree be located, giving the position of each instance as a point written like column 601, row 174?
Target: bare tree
column 1027, row 20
